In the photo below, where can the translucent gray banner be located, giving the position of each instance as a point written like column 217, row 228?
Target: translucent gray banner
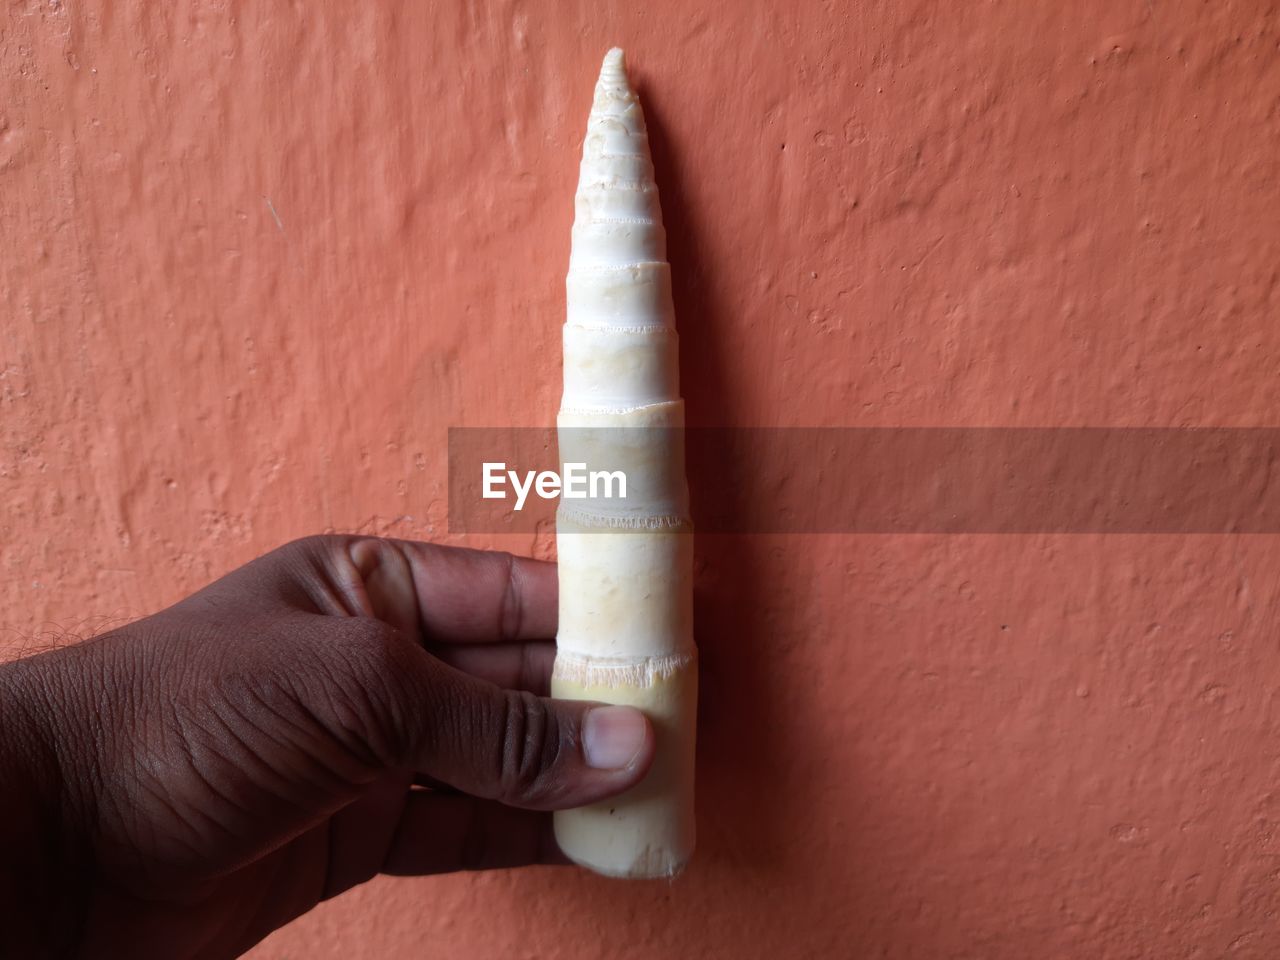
column 921, row 480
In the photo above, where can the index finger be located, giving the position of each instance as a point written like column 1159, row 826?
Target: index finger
column 458, row 595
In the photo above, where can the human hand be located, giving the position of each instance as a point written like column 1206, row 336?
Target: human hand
column 186, row 784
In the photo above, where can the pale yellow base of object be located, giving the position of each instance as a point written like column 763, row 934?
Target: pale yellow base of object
column 649, row 830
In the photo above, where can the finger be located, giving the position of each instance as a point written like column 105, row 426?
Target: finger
column 482, row 596
column 442, row 833
column 457, row 595
column 512, row 666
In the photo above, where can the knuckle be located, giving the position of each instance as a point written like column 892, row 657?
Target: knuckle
column 531, row 748
column 510, row 611
column 301, row 573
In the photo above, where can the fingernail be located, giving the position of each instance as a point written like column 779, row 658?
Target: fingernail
column 612, row 736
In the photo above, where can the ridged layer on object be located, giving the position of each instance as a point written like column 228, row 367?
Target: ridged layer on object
column 593, row 671
column 610, row 568
column 605, row 360
column 645, row 443
column 636, row 296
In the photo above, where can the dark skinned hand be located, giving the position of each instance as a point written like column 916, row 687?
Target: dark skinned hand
column 339, row 708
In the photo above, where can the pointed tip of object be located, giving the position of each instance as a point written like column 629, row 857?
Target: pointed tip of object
column 613, row 72
column 615, row 61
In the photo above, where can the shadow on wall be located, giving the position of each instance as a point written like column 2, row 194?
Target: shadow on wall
column 742, row 804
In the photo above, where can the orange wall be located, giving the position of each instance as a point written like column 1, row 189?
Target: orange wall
column 257, row 257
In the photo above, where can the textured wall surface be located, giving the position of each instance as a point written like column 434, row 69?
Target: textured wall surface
column 255, row 258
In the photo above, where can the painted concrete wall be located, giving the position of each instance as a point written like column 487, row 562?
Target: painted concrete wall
column 255, row 258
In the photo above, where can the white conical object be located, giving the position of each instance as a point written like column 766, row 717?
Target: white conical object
column 626, row 564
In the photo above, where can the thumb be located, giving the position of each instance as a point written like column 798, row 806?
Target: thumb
column 524, row 750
